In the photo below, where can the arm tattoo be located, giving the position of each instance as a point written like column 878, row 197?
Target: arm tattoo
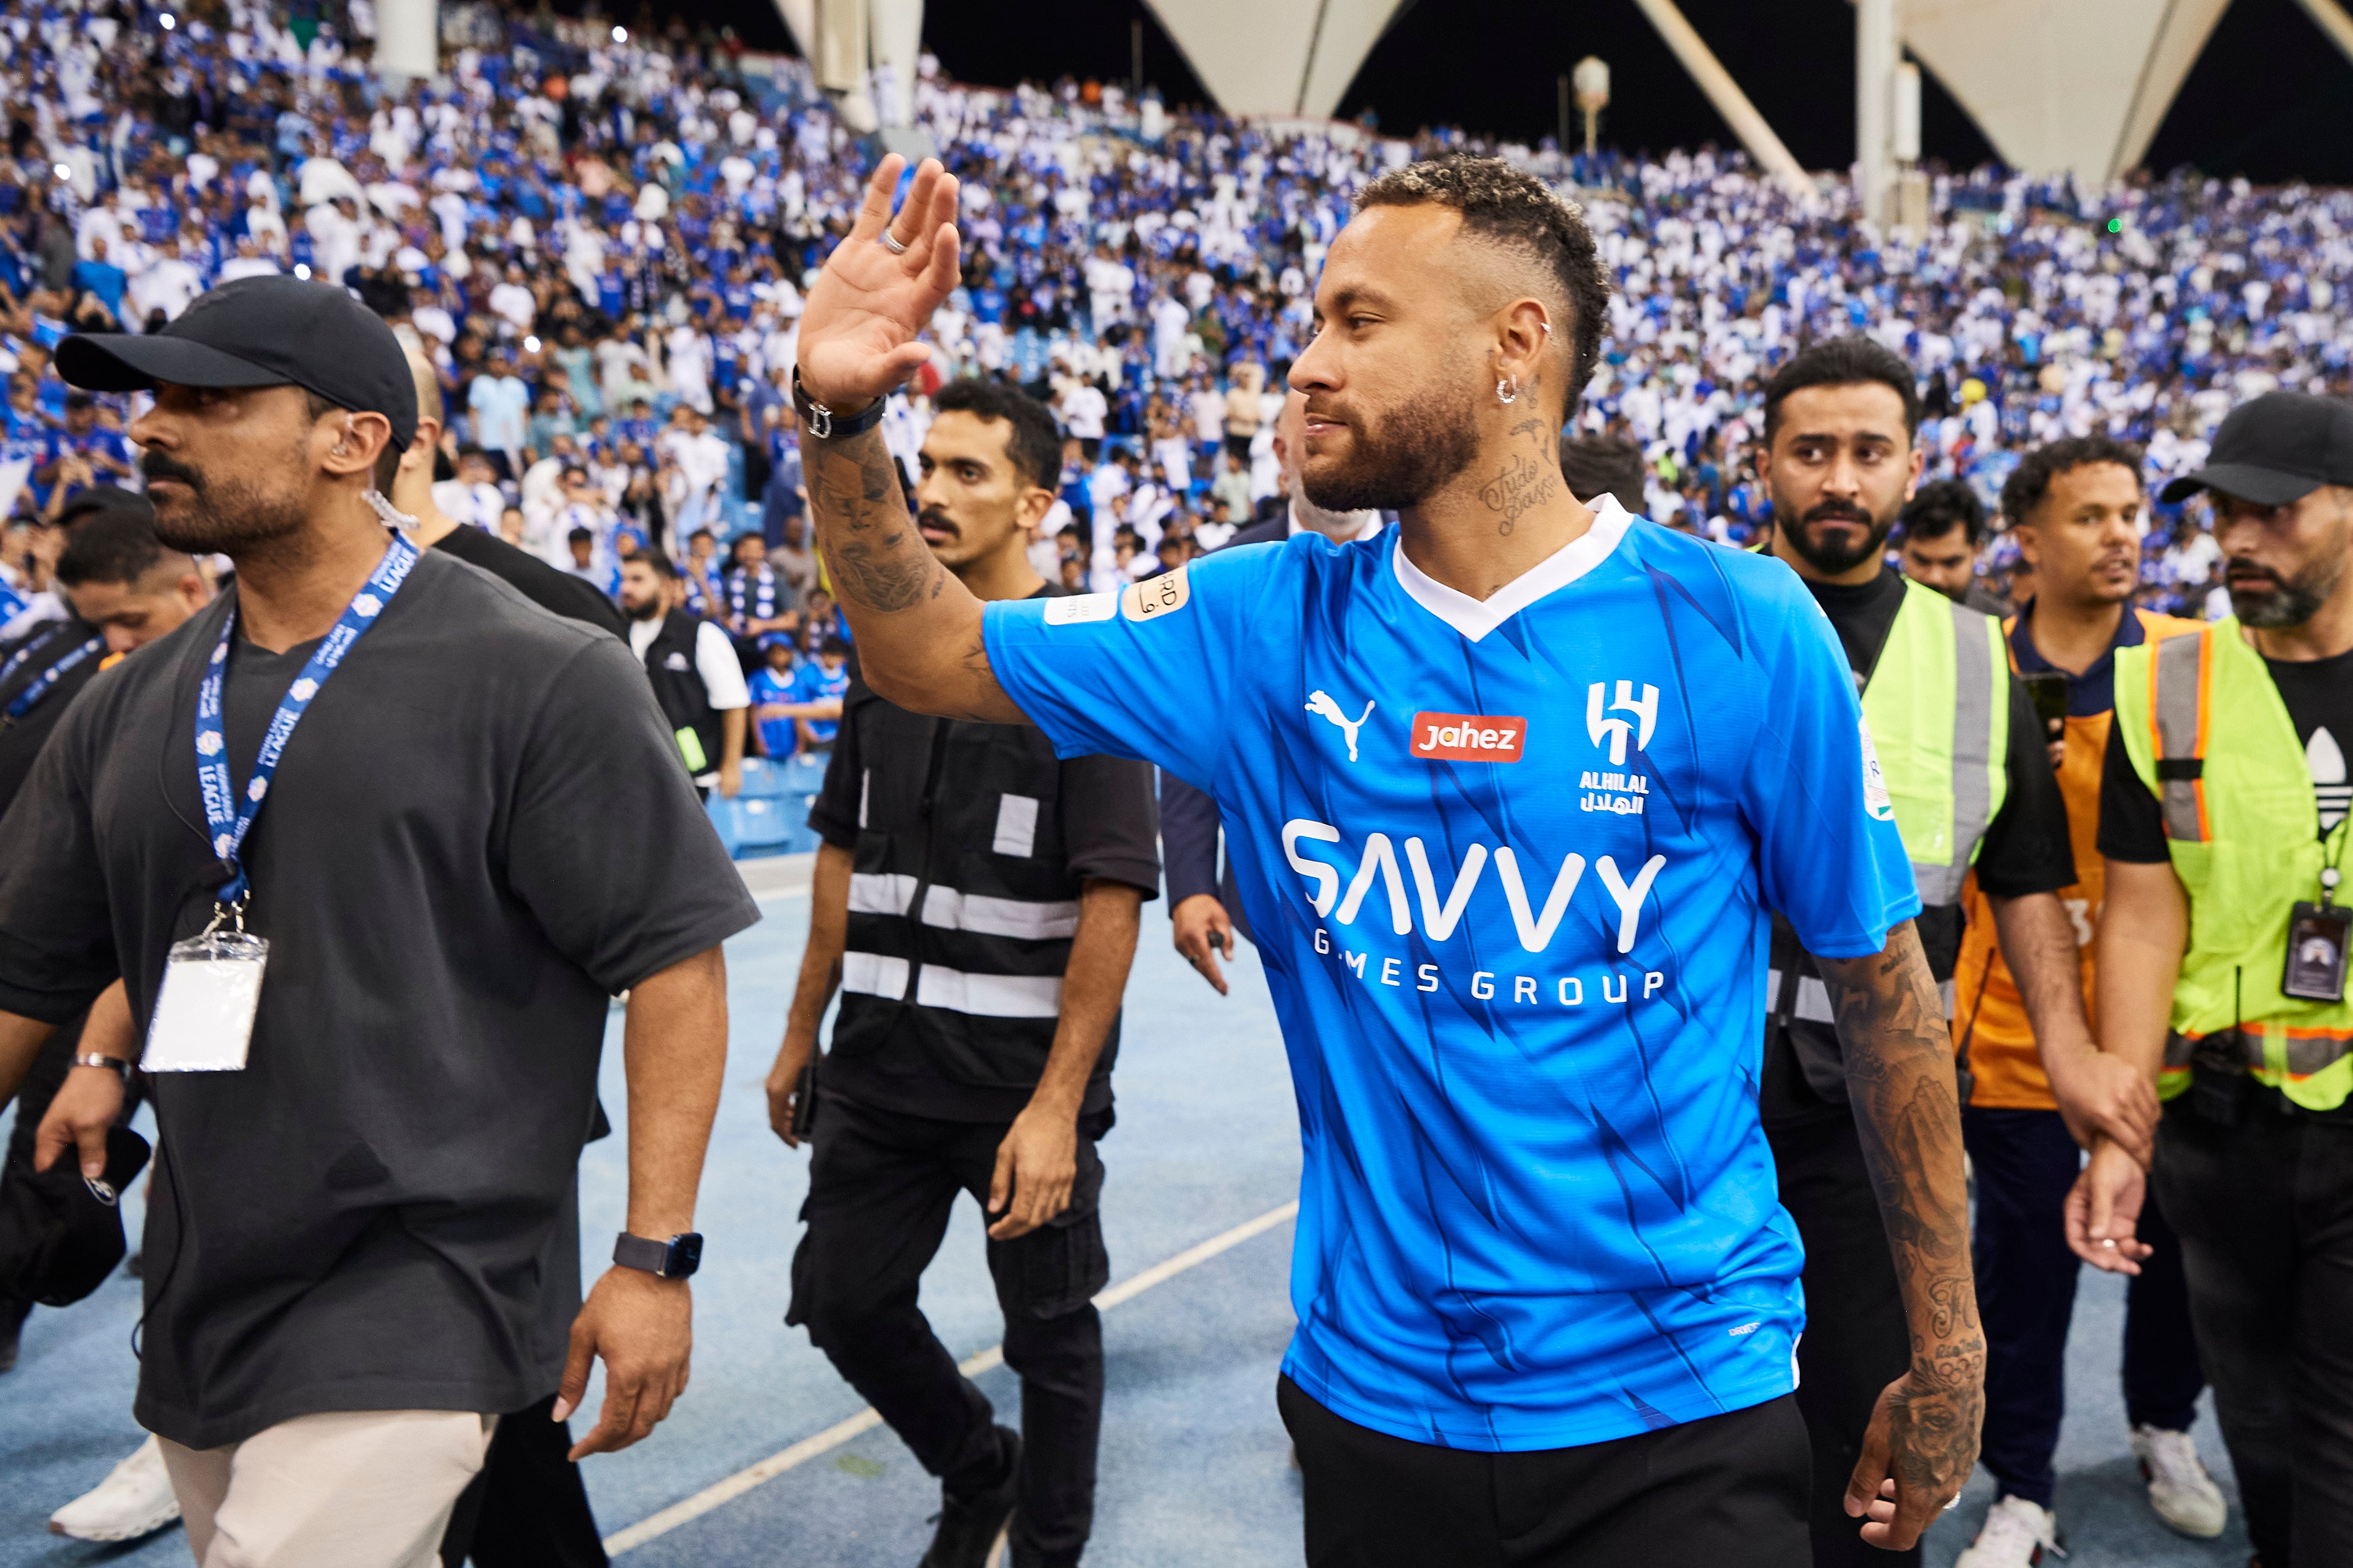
column 875, row 557
column 1900, row 1079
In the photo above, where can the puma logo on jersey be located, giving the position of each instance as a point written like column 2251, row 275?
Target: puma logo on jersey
column 1321, row 702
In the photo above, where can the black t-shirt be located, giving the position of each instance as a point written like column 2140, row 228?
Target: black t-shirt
column 2318, row 695
column 478, row 831
column 22, row 739
column 560, row 592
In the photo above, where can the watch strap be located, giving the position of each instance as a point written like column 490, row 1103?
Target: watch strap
column 93, row 1059
column 666, row 1259
column 826, row 424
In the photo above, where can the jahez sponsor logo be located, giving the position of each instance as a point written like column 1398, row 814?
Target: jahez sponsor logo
column 1468, row 737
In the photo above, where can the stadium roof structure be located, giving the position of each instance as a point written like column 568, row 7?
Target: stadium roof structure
column 1276, row 56
column 2057, row 85
column 2061, row 86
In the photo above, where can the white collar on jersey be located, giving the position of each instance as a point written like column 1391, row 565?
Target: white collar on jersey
column 1475, row 618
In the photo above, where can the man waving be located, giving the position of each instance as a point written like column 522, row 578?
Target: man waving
column 1512, row 877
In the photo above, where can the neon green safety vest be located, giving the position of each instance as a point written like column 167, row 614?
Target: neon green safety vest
column 1938, row 709
column 2207, row 733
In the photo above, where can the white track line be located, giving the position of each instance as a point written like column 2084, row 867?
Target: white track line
column 866, row 1420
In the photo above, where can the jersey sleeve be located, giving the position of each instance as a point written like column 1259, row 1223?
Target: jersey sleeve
column 1146, row 673
column 1828, row 856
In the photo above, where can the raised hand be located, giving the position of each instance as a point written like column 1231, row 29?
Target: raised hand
column 859, row 326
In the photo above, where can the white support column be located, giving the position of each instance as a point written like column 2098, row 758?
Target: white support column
column 896, row 27
column 408, row 39
column 1724, row 93
column 1876, row 55
column 2331, row 19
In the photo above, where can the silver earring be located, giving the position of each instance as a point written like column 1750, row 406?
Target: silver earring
column 1507, row 389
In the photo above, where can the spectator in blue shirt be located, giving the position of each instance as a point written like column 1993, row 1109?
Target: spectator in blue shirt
column 817, row 689
column 100, row 280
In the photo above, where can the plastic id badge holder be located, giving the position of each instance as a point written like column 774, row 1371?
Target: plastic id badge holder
column 204, row 1014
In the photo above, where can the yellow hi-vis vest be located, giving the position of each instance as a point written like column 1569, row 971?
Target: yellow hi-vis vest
column 1938, row 709
column 2206, row 731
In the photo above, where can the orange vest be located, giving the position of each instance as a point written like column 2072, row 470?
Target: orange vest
column 1989, row 1027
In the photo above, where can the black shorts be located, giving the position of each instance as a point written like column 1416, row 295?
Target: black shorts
column 1729, row 1492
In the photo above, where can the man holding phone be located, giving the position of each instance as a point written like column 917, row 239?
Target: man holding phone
column 1970, row 792
column 2075, row 507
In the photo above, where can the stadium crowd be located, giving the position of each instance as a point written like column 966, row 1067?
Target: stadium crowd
column 600, row 235
column 595, row 241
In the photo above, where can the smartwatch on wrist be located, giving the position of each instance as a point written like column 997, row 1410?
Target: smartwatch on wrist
column 826, row 424
column 676, row 1258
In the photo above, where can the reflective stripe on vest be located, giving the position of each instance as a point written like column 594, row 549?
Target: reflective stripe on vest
column 2210, row 739
column 2177, row 712
column 1938, row 709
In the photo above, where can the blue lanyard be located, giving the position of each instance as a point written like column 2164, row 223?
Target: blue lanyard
column 39, row 641
column 40, row 685
column 230, row 820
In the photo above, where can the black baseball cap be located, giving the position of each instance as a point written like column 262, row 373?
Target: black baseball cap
column 261, row 331
column 2278, row 448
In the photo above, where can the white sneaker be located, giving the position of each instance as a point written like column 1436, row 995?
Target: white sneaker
column 2016, row 1535
column 134, row 1500
column 2183, row 1494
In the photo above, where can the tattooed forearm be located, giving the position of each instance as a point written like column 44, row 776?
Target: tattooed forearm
column 874, row 554
column 1899, row 1074
column 1900, row 1080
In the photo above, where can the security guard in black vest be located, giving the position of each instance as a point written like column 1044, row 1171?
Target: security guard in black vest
column 977, row 904
column 692, row 665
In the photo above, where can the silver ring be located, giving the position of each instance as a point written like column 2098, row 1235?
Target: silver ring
column 2105, row 1242
column 891, row 242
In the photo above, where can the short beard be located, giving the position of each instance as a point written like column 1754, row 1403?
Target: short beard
column 233, row 518
column 2293, row 601
column 1403, row 455
column 1833, row 563
column 645, row 612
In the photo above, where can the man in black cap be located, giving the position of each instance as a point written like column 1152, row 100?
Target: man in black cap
column 2222, row 960
column 363, row 1220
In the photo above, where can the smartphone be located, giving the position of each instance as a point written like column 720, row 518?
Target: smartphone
column 805, row 1100
column 2049, row 694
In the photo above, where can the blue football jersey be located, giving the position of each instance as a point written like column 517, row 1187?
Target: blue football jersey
column 1511, row 865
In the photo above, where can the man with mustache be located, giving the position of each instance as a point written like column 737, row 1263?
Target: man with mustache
column 368, row 1138
column 2076, row 510
column 976, row 901
column 1969, row 788
column 1510, row 791
column 2221, row 968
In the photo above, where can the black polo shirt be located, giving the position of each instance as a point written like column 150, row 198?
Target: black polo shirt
column 477, row 833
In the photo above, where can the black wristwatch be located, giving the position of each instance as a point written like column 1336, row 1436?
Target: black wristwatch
column 676, row 1258
column 823, row 423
